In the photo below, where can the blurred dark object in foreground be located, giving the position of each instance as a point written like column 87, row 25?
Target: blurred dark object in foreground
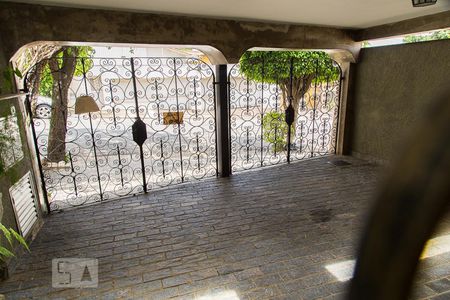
column 414, row 198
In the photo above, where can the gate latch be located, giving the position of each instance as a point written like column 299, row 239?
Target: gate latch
column 290, row 114
column 139, row 130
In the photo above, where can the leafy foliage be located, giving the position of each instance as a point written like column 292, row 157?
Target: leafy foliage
column 10, row 235
column 275, row 130
column 46, row 83
column 274, row 66
column 365, row 44
column 5, row 142
column 6, row 80
column 436, row 35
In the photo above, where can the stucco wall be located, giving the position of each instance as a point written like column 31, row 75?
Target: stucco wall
column 27, row 23
column 392, row 88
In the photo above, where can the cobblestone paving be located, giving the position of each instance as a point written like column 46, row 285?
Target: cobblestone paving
column 266, row 234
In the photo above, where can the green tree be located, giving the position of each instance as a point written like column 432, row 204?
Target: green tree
column 55, row 81
column 274, row 67
column 308, row 67
column 436, row 35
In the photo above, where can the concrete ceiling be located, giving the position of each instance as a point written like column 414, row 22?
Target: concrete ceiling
column 339, row 13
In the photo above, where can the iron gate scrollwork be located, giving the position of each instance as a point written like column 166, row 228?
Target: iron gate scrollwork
column 173, row 100
column 261, row 112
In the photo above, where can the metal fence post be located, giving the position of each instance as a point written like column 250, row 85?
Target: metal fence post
column 222, row 122
column 139, row 128
column 290, row 112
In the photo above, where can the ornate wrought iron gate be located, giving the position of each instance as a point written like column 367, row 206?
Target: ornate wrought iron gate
column 155, row 127
column 267, row 125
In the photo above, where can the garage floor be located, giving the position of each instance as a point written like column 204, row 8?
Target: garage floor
column 286, row 232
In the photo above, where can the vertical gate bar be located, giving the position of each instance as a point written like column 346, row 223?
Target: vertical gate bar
column 304, row 89
column 178, row 118
column 36, row 147
column 162, row 158
column 95, row 156
column 324, row 120
column 136, row 102
column 113, row 104
column 74, row 177
column 215, row 122
column 157, row 100
column 228, row 116
column 120, row 164
column 198, row 153
column 291, row 75
column 262, row 110
column 248, row 145
column 341, row 78
column 195, row 99
column 92, row 133
column 276, row 110
column 223, row 122
column 133, row 78
column 314, row 107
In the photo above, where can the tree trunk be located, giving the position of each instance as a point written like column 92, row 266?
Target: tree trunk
column 300, row 87
column 62, row 71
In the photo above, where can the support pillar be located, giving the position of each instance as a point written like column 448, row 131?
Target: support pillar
column 222, row 122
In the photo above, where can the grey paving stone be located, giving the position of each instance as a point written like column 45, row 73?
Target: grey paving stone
column 176, row 280
column 264, row 234
column 146, row 287
column 443, row 296
column 440, row 285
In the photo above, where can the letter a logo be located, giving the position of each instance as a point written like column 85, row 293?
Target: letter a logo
column 86, row 275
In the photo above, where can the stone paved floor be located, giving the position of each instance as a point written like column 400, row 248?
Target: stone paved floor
column 262, row 234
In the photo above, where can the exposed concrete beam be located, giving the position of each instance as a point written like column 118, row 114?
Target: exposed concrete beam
column 425, row 23
column 21, row 24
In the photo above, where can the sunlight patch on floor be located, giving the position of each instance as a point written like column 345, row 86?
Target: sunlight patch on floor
column 436, row 246
column 225, row 295
column 343, row 271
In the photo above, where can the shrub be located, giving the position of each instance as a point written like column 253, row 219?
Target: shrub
column 275, row 130
column 10, row 235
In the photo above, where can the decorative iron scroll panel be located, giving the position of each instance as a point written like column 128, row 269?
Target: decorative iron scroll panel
column 258, row 130
column 102, row 160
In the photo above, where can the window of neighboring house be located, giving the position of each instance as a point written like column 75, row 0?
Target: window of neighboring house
column 10, row 142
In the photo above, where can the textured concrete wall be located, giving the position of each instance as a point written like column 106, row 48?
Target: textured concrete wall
column 392, row 88
column 22, row 24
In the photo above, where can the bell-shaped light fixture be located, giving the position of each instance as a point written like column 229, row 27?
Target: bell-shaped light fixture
column 422, row 3
column 85, row 104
